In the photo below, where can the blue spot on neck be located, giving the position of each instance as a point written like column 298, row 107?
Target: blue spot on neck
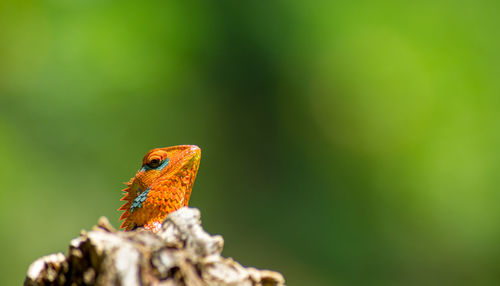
column 137, row 203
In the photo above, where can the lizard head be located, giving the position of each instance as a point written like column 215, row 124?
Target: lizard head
column 159, row 167
column 158, row 163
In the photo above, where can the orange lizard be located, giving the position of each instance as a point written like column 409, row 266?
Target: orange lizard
column 161, row 186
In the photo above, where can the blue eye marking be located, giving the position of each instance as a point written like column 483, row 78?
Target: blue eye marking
column 163, row 165
column 159, row 168
column 137, row 203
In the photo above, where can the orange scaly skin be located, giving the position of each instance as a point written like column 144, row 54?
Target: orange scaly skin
column 162, row 185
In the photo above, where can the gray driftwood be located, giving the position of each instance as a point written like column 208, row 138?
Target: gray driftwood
column 181, row 253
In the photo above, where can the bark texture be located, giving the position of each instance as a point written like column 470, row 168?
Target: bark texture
column 181, row 253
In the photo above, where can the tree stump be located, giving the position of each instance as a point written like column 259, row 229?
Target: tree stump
column 181, row 253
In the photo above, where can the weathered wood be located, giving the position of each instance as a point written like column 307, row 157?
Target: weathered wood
column 181, row 253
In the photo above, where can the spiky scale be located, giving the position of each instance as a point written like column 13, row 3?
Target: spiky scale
column 167, row 176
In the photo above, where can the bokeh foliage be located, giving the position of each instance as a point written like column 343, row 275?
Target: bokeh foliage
column 343, row 142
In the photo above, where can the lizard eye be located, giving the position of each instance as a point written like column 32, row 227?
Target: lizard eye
column 154, row 163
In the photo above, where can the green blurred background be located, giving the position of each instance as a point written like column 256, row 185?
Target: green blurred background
column 343, row 143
